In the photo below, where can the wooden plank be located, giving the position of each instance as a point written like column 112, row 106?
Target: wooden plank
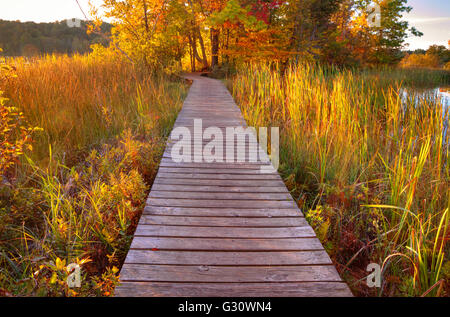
column 226, row 244
column 218, row 189
column 213, row 114
column 247, row 165
column 167, row 162
column 307, row 289
column 248, row 147
column 223, row 125
column 224, row 176
column 218, row 182
column 203, row 139
column 221, row 212
column 233, row 158
column 238, row 155
column 222, row 112
column 223, row 221
column 213, row 122
column 187, row 170
column 229, row 274
column 170, row 202
column 251, row 147
column 223, row 232
column 229, row 258
column 219, row 195
column 244, row 144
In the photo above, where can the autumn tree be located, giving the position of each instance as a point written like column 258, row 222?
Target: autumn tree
column 150, row 31
column 161, row 32
column 252, row 30
column 392, row 32
column 441, row 52
column 436, row 56
column 209, row 8
column 310, row 23
column 420, row 60
column 374, row 43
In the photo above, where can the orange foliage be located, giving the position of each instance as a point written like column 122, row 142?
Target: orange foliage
column 420, row 60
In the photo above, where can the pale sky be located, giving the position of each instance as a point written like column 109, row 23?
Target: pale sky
column 432, row 17
column 42, row 10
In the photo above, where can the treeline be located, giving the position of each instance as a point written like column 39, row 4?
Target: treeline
column 209, row 33
column 31, row 39
column 436, row 56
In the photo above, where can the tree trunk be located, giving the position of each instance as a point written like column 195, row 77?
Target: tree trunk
column 204, row 59
column 191, row 53
column 144, row 2
column 227, row 44
column 214, row 47
column 196, row 32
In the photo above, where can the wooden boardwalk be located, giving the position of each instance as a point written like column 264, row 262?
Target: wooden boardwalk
column 223, row 229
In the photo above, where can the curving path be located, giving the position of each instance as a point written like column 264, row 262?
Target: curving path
column 223, row 229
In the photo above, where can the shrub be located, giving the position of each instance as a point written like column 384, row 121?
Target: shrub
column 421, row 60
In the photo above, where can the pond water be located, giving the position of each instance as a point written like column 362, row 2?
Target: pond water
column 437, row 95
column 442, row 94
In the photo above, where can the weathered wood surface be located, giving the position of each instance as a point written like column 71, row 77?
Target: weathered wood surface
column 223, row 228
column 298, row 289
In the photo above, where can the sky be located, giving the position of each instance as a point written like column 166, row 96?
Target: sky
column 431, row 17
column 43, row 10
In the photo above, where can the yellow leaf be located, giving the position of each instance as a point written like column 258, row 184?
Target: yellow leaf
column 60, row 264
column 54, row 278
column 83, row 261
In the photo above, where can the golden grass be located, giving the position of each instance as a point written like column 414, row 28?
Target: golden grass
column 369, row 168
column 84, row 100
column 77, row 196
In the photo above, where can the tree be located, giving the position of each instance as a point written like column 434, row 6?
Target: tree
column 148, row 31
column 441, row 52
column 251, row 30
column 159, row 33
column 369, row 43
column 310, row 25
column 421, row 61
column 387, row 39
column 197, row 16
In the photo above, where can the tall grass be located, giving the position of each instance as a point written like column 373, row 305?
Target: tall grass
column 84, row 100
column 77, row 196
column 369, row 167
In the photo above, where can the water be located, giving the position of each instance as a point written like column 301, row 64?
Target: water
column 441, row 94
column 437, row 95
column 444, row 95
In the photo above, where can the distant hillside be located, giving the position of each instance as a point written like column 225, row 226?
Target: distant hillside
column 29, row 38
